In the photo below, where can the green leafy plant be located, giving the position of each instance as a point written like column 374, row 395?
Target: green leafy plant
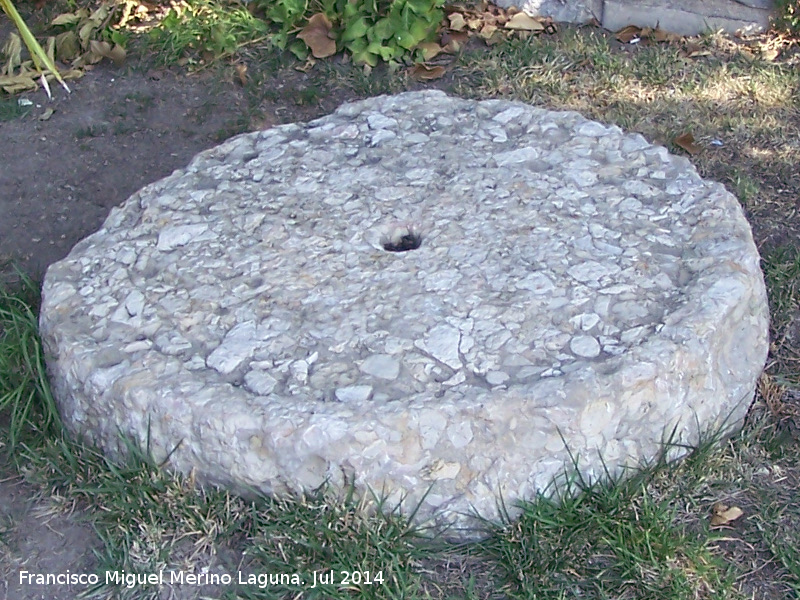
column 369, row 30
column 287, row 14
column 371, row 34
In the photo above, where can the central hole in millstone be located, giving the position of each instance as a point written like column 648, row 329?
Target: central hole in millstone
column 402, row 239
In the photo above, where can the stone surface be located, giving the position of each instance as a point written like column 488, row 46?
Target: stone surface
column 422, row 294
column 567, row 11
column 685, row 17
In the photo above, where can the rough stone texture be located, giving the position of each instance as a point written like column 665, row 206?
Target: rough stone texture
column 573, row 284
column 566, row 11
column 685, row 17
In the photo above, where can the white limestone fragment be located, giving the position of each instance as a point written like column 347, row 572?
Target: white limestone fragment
column 260, row 382
column 237, row 346
column 591, row 270
column 510, row 114
column 299, row 370
column 381, row 136
column 585, row 346
column 497, row 377
column 592, row 128
column 460, row 433
column 379, row 121
column 134, row 303
column 442, row 470
column 459, row 377
column 538, row 283
column 179, row 235
column 138, row 346
column 382, row 366
column 442, row 343
column 515, row 157
column 585, row 320
column 354, row 393
column 431, row 425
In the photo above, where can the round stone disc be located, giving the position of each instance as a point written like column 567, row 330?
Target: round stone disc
column 441, row 299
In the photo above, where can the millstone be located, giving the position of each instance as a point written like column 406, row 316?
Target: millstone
column 442, row 300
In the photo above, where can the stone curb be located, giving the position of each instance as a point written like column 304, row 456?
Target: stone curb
column 684, row 17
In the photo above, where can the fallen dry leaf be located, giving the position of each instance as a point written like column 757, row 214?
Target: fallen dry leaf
column 421, row 72
column 316, row 35
column 67, row 19
column 241, row 73
column 100, row 50
column 692, row 50
column 17, row 83
column 686, row 141
column 67, row 46
column 723, row 514
column 492, row 19
column 487, row 31
column 659, row 35
column 429, row 49
column 457, row 22
column 626, row 34
column 46, row 114
column 13, row 51
column 524, row 22
column 454, row 41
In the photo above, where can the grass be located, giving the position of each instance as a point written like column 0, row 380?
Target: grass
column 25, row 395
column 201, row 31
column 782, row 273
column 646, row 537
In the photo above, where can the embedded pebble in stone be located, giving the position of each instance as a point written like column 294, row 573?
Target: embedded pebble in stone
column 442, row 343
column 430, row 296
column 354, row 393
column 381, row 365
column 235, row 348
column 260, row 382
column 585, row 346
column 538, row 283
column 180, row 235
column 496, row 377
column 460, row 434
column 592, row 270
